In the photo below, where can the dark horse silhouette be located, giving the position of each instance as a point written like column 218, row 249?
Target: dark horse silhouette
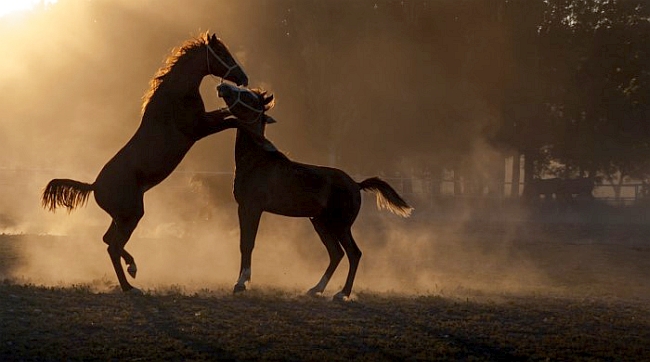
column 266, row 180
column 173, row 119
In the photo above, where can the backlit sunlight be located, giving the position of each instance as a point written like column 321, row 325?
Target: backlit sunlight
column 8, row 7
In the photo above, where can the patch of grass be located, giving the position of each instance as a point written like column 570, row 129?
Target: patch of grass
column 76, row 323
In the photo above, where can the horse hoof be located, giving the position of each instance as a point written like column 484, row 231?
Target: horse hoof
column 314, row 293
column 239, row 288
column 132, row 270
column 341, row 297
column 134, row 291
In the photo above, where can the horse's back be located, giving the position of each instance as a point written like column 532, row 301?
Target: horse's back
column 319, row 178
column 289, row 188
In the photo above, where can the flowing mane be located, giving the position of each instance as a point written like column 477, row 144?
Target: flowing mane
column 171, row 60
column 261, row 94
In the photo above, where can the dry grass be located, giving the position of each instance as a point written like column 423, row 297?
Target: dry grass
column 74, row 323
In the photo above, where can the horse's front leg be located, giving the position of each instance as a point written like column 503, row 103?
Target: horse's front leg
column 214, row 122
column 219, row 120
column 249, row 220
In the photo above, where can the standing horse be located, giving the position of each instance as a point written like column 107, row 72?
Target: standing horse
column 173, row 119
column 266, row 180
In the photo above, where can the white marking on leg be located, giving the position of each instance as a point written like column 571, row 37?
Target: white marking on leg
column 341, row 297
column 322, row 284
column 244, row 277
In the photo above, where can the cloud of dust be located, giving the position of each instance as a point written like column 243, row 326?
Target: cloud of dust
column 73, row 99
column 188, row 242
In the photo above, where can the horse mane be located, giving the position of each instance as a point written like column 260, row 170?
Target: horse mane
column 267, row 101
column 176, row 54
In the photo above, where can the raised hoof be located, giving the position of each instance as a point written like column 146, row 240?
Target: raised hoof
column 239, row 288
column 132, row 270
column 341, row 297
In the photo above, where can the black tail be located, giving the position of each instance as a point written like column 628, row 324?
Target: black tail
column 64, row 192
column 387, row 197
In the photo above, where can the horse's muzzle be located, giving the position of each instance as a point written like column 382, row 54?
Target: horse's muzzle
column 225, row 90
column 220, row 90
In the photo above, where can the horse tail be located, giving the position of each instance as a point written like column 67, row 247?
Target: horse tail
column 64, row 192
column 387, row 197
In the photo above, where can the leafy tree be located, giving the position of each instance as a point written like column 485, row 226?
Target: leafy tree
column 603, row 111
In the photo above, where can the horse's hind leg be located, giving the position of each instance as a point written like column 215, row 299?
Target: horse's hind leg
column 116, row 240
column 354, row 255
column 333, row 249
column 249, row 220
column 131, row 268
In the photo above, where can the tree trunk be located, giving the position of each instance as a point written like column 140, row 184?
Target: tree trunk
column 457, row 184
column 618, row 187
column 529, row 167
column 436, row 177
column 499, row 179
column 516, row 174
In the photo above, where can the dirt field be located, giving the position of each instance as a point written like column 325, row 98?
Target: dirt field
column 588, row 301
column 73, row 323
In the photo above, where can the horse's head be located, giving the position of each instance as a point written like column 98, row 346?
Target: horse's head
column 249, row 106
column 221, row 63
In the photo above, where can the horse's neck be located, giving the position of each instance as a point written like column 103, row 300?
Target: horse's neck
column 247, row 151
column 245, row 145
column 186, row 75
column 183, row 84
column 179, row 85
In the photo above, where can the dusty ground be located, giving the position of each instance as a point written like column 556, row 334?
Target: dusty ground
column 73, row 323
column 589, row 301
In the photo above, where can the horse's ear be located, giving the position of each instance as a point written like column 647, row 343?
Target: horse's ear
column 268, row 99
column 269, row 120
column 213, row 38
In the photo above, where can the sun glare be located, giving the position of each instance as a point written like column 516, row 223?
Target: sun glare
column 8, row 7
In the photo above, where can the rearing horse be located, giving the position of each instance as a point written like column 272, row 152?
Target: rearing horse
column 266, row 180
column 173, row 119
